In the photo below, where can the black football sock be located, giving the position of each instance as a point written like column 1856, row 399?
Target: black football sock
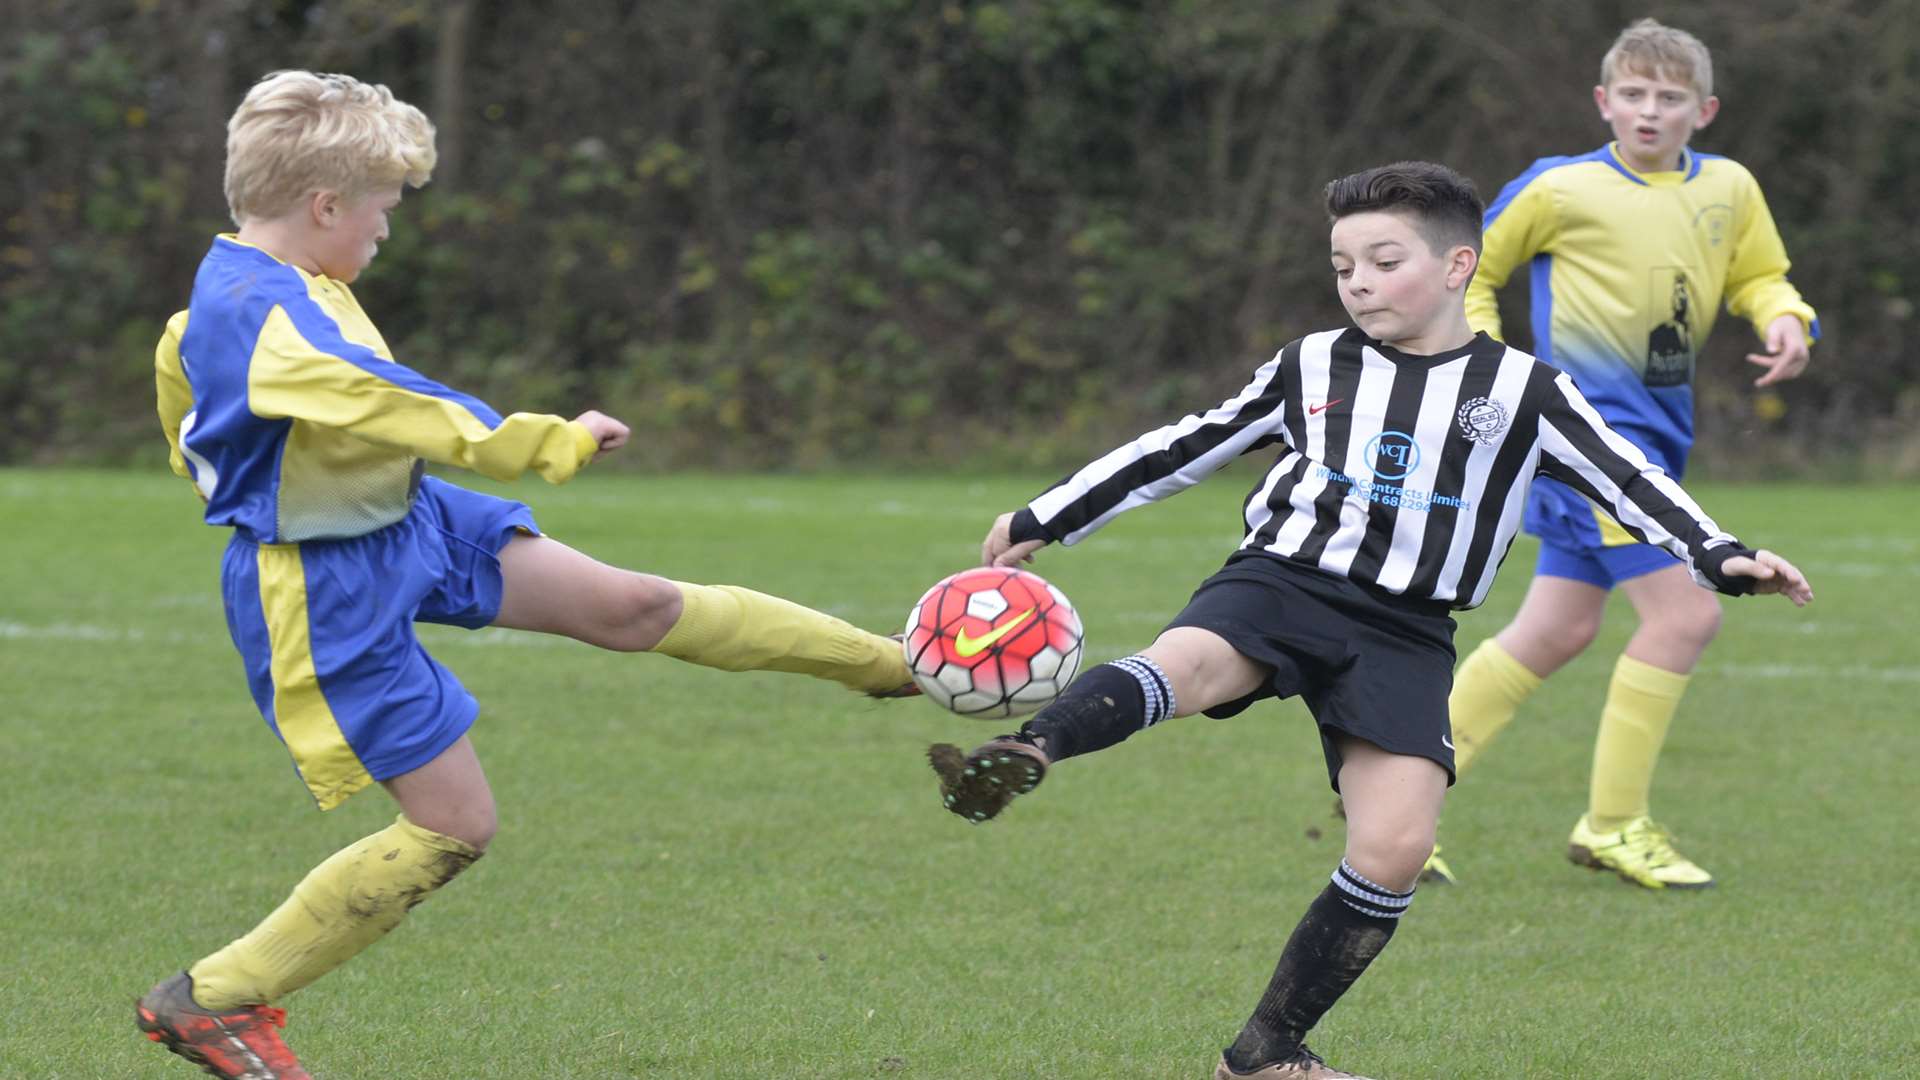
column 1344, row 928
column 1103, row 707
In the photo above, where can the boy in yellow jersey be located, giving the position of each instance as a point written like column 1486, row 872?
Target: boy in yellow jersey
column 1631, row 250
column 284, row 406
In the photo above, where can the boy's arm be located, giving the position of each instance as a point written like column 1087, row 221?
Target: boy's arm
column 305, row 369
column 1757, row 287
column 1757, row 290
column 1579, row 449
column 173, row 394
column 1519, row 225
column 1155, row 465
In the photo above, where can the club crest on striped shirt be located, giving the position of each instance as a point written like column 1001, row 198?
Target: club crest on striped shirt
column 1483, row 420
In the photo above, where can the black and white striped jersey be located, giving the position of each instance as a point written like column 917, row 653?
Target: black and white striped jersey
column 1406, row 474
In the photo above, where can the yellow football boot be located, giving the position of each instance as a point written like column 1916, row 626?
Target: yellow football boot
column 1640, row 852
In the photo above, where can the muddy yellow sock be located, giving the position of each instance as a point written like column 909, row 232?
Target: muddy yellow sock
column 735, row 629
column 1640, row 704
column 1487, row 690
column 342, row 906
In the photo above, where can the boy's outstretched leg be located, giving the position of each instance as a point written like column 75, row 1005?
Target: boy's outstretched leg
column 1393, row 802
column 1185, row 671
column 219, row 1013
column 553, row 589
column 737, row 629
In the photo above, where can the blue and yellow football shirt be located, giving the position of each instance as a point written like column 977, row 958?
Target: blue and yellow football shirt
column 286, row 409
column 1628, row 272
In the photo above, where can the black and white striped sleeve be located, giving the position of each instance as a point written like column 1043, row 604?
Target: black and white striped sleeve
column 1578, row 448
column 1161, row 462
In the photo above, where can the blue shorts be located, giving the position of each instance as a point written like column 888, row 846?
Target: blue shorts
column 325, row 629
column 1578, row 540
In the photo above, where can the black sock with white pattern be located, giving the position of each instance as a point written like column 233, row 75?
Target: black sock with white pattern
column 1103, row 707
column 1344, row 928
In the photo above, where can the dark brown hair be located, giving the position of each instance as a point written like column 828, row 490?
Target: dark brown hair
column 1444, row 205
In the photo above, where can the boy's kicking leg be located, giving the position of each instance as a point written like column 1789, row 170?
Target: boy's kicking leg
column 551, row 588
column 218, row 1014
column 1185, row 671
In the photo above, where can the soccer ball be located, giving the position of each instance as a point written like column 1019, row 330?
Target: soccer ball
column 993, row 641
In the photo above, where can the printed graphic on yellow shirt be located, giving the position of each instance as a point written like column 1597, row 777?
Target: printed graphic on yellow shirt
column 1670, row 343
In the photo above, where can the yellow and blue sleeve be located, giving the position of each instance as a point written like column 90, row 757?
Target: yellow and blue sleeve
column 1757, row 287
column 1520, row 224
column 304, row 368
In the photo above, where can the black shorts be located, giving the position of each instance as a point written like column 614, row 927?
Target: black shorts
column 1374, row 667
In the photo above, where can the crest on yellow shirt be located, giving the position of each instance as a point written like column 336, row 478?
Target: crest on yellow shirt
column 1714, row 223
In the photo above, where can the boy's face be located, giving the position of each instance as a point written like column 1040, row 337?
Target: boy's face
column 1394, row 286
column 1652, row 117
column 349, row 233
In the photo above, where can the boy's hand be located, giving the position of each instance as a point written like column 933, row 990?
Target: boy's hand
column 1771, row 574
column 1786, row 356
column 611, row 434
column 998, row 549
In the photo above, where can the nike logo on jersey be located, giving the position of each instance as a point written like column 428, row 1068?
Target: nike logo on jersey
column 973, row 646
column 1446, row 742
column 1316, row 410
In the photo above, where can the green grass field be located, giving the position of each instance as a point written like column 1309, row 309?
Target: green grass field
column 701, row 875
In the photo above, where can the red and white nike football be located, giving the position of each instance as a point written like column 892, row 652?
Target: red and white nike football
column 992, row 642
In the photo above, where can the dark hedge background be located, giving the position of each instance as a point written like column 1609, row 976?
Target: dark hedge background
column 914, row 234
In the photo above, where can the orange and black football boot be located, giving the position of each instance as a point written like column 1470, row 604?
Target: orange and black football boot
column 237, row 1044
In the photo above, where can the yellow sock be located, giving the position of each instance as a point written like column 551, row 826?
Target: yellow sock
column 1633, row 726
column 342, row 906
column 735, row 629
column 1487, row 690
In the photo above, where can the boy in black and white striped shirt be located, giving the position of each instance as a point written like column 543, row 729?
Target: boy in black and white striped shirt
column 1407, row 446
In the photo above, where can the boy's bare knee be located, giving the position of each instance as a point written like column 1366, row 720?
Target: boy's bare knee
column 483, row 824
column 1557, row 641
column 640, row 610
column 481, row 835
column 1392, row 859
column 1573, row 636
column 473, row 826
column 1695, row 623
column 1203, row 668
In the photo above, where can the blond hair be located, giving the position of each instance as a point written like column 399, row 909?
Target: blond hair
column 299, row 132
column 1661, row 52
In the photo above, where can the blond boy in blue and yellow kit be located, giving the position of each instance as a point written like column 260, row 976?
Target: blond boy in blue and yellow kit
column 285, row 408
column 1631, row 250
